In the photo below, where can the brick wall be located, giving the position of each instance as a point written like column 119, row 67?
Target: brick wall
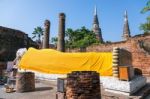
column 11, row 40
column 140, row 56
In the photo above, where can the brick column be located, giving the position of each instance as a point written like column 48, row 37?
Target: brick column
column 83, row 85
column 25, row 82
column 46, row 34
column 61, row 33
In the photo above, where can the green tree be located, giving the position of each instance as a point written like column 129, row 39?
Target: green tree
column 37, row 33
column 80, row 38
column 146, row 26
column 146, row 8
column 54, row 40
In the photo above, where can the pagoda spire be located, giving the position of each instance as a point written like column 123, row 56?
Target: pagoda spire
column 95, row 11
column 126, row 29
column 95, row 16
column 96, row 29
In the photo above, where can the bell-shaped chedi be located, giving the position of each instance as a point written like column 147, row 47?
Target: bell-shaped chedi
column 96, row 29
column 126, row 29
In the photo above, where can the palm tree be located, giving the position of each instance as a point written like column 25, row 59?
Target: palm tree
column 37, row 33
column 146, row 26
column 146, row 8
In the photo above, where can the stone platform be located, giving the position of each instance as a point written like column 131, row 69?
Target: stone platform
column 114, row 85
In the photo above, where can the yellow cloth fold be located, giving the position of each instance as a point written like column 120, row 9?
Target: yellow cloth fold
column 55, row 62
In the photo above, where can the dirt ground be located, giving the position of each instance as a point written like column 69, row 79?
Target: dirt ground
column 44, row 90
column 47, row 90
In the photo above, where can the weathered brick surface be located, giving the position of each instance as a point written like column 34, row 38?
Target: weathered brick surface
column 11, row 40
column 140, row 58
column 125, row 58
column 83, row 85
column 25, row 82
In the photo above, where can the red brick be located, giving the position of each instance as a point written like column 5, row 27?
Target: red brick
column 140, row 58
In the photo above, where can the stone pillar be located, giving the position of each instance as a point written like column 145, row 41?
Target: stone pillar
column 25, row 82
column 115, row 62
column 61, row 33
column 46, row 34
column 83, row 85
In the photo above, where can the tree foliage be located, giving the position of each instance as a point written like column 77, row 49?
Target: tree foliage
column 146, row 8
column 146, row 26
column 54, row 40
column 37, row 33
column 79, row 38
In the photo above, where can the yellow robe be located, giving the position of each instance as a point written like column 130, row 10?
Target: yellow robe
column 55, row 62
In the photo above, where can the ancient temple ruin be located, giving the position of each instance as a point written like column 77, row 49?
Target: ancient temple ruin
column 126, row 30
column 61, row 33
column 96, row 28
column 11, row 40
column 46, row 34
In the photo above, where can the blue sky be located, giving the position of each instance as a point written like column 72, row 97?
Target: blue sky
column 25, row 15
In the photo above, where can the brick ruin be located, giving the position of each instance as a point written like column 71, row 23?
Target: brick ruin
column 83, row 85
column 139, row 46
column 11, row 40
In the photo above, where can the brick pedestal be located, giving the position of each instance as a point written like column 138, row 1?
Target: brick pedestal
column 25, row 82
column 60, row 95
column 83, row 85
